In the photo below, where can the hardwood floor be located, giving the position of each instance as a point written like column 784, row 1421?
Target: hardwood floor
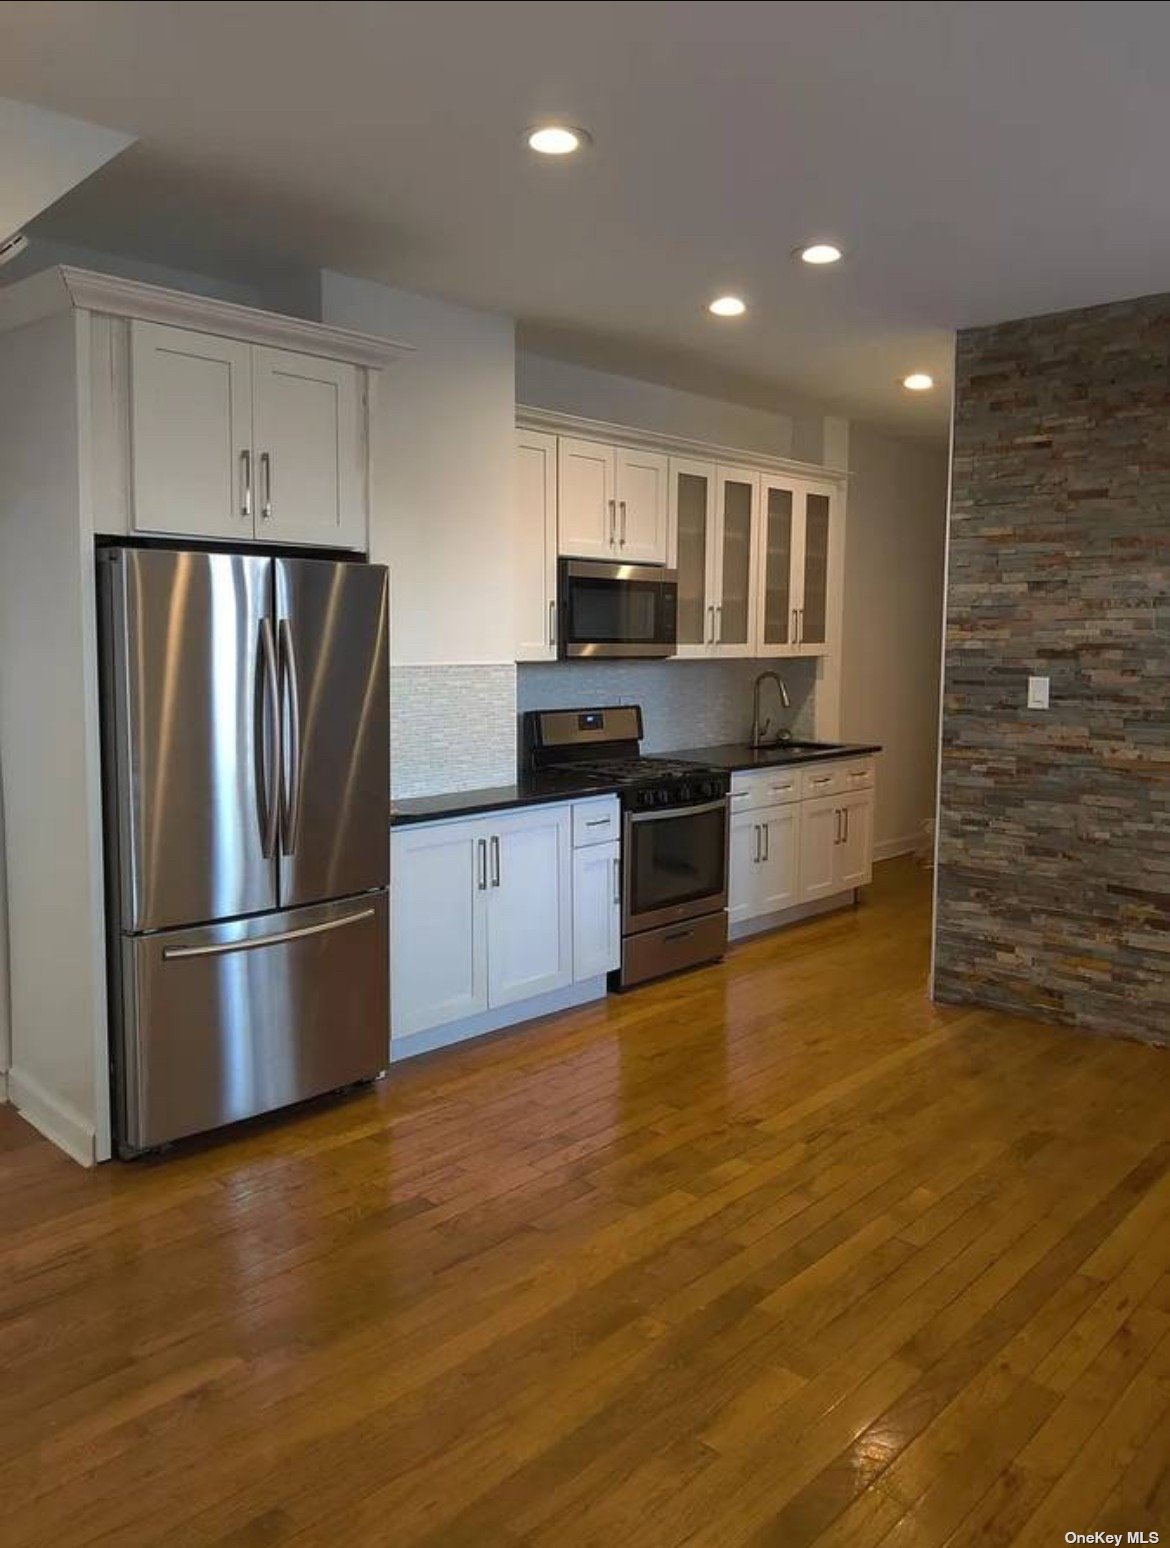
column 777, row 1253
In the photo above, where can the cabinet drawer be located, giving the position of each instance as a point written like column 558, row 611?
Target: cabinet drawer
column 596, row 822
column 764, row 787
column 826, row 779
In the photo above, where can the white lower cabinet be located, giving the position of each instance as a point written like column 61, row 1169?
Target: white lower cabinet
column 481, row 915
column 529, row 904
column 597, row 910
column 836, row 844
column 438, row 925
column 765, row 862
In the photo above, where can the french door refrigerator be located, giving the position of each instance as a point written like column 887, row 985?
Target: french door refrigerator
column 246, row 739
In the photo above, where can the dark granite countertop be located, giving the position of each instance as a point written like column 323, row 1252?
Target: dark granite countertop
column 537, row 789
column 529, row 790
column 737, row 756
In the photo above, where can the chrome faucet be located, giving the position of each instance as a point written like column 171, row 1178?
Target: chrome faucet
column 760, row 732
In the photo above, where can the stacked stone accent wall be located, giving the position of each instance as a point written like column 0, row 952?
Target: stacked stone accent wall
column 1054, row 837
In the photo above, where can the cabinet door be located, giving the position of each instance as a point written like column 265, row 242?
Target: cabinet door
column 535, row 541
column 586, row 503
column 641, row 492
column 192, row 468
column 738, row 492
column 530, row 905
column 597, row 940
column 306, row 417
column 743, row 868
column 438, row 925
column 779, row 867
column 779, row 562
column 693, row 552
column 813, row 559
column 854, row 859
column 820, row 829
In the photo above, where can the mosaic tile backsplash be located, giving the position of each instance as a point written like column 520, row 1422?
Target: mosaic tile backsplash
column 451, row 728
column 684, row 703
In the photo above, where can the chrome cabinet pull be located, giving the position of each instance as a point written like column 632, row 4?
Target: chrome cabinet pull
column 246, row 485
column 266, row 734
column 800, row 626
column 257, row 942
column 481, row 864
column 597, row 822
column 710, row 623
column 613, row 523
column 266, row 474
column 552, row 623
column 617, row 879
column 623, row 506
column 767, row 840
column 719, row 623
column 495, row 860
column 837, row 826
column 756, row 851
column 289, row 691
column 845, row 834
column 740, row 795
column 794, row 617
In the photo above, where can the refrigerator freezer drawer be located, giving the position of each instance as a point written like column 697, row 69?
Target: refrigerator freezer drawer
column 226, row 1021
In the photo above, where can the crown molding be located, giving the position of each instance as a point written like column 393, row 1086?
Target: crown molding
column 553, row 422
column 53, row 289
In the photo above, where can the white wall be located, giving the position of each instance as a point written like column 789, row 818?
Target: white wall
column 443, row 468
column 5, row 1022
column 49, row 744
column 624, row 400
column 894, row 555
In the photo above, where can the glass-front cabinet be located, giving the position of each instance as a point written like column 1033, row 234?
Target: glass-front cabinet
column 794, row 563
column 713, row 515
column 694, row 553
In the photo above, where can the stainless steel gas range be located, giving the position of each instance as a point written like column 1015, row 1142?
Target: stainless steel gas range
column 674, row 833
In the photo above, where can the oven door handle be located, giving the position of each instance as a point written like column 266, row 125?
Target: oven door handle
column 679, row 811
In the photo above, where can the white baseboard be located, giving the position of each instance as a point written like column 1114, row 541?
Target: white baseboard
column 431, row 1038
column 746, row 928
column 889, row 848
column 57, row 1120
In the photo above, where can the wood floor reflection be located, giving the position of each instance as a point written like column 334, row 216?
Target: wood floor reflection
column 775, row 1253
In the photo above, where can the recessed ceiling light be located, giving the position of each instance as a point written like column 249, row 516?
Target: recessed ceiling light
column 556, row 139
column 727, row 306
column 918, row 381
column 820, row 253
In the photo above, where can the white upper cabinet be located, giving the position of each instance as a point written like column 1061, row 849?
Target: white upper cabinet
column 535, row 544
column 190, row 433
column 694, row 553
column 586, row 503
column 611, row 502
column 310, row 477
column 796, row 575
column 203, row 433
column 641, row 492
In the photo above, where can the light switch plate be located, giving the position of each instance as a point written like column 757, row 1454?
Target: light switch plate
column 1038, row 692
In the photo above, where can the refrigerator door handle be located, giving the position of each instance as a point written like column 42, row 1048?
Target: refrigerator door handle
column 290, row 739
column 257, row 942
column 266, row 736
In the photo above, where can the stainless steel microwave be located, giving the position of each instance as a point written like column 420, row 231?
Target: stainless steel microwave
column 608, row 609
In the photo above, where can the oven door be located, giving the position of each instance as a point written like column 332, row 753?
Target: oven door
column 675, row 865
column 617, row 610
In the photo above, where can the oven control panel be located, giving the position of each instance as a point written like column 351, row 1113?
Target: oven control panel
column 683, row 792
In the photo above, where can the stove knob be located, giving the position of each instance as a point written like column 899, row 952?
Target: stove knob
column 707, row 790
column 645, row 798
column 662, row 797
column 685, row 793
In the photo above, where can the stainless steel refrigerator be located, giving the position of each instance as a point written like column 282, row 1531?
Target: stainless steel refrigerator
column 246, row 739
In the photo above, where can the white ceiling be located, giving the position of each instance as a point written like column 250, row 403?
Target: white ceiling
column 979, row 161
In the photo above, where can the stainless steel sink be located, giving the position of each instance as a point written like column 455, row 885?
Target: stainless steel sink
column 784, row 752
